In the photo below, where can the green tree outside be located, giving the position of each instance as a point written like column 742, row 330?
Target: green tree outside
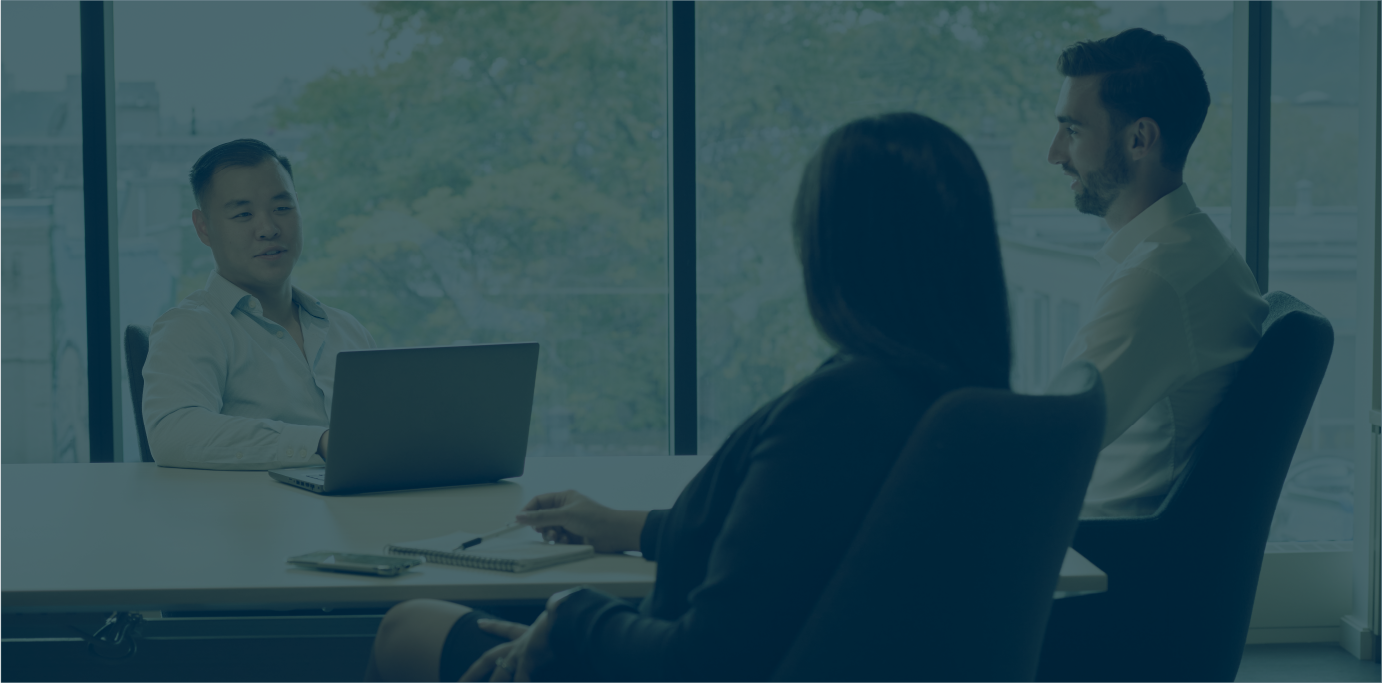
column 507, row 180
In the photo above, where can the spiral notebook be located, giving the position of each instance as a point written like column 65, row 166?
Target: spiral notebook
column 502, row 554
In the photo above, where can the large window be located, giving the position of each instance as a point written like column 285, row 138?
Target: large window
column 41, row 219
column 480, row 172
column 774, row 78
column 468, row 173
column 1313, row 224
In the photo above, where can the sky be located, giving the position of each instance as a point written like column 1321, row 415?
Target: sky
column 1123, row 13
column 223, row 57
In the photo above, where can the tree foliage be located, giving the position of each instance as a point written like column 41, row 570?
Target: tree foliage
column 507, row 178
column 505, row 182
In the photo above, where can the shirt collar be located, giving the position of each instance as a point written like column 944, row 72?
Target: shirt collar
column 1163, row 212
column 309, row 303
column 227, row 297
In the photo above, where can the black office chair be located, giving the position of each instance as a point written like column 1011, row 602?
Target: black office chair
column 1182, row 581
column 136, row 351
column 951, row 577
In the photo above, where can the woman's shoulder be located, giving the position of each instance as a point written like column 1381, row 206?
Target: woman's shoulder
column 850, row 388
column 844, row 375
column 850, row 403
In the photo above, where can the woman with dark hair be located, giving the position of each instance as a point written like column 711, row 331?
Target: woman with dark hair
column 894, row 226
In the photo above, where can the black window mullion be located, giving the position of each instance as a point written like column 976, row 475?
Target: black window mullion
column 1259, row 134
column 102, row 256
column 682, row 228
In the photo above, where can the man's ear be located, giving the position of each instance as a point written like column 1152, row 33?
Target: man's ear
column 1146, row 135
column 199, row 220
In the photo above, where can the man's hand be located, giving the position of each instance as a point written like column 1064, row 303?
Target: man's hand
column 322, row 444
column 569, row 517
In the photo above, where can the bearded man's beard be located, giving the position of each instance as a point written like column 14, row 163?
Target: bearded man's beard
column 1099, row 189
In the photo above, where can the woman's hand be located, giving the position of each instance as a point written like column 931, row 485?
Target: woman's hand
column 516, row 660
column 569, row 517
column 484, row 669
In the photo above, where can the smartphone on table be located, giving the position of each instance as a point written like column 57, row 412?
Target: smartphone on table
column 356, row 563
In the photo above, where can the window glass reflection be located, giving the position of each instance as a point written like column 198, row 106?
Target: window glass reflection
column 41, row 219
column 1313, row 226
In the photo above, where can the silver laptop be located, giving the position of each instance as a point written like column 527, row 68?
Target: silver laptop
column 425, row 417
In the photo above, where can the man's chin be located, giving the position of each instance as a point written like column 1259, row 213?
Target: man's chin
column 262, row 277
column 1088, row 204
column 272, row 273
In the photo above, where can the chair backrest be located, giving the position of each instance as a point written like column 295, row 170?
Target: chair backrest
column 965, row 539
column 136, row 351
column 1182, row 581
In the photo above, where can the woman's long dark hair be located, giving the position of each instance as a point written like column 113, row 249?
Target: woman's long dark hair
column 894, row 225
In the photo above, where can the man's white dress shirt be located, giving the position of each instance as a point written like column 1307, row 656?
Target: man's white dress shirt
column 226, row 388
column 1177, row 313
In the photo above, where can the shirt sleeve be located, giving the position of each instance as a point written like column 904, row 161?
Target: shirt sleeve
column 184, row 384
column 778, row 548
column 349, row 322
column 1140, row 341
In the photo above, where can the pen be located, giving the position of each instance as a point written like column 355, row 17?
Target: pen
column 485, row 537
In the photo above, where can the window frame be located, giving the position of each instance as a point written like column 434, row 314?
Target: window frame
column 102, row 253
column 1251, row 134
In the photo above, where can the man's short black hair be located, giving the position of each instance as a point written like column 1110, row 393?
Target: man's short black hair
column 242, row 152
column 1146, row 75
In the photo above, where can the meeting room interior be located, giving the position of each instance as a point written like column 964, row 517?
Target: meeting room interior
column 606, row 248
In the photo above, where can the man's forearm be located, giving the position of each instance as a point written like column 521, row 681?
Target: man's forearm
column 198, row 438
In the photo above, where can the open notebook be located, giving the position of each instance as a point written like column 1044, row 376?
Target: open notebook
column 508, row 553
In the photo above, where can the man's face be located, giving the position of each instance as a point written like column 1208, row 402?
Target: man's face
column 249, row 218
column 1086, row 147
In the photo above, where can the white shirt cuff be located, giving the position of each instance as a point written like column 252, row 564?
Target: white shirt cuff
column 298, row 443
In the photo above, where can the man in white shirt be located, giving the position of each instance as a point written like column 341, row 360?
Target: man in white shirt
column 1179, row 308
column 239, row 375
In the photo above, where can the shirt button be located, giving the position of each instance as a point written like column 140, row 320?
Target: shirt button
column 280, row 334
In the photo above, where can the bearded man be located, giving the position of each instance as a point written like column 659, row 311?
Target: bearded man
column 1179, row 309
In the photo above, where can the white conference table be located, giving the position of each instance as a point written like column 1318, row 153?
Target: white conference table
column 135, row 536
